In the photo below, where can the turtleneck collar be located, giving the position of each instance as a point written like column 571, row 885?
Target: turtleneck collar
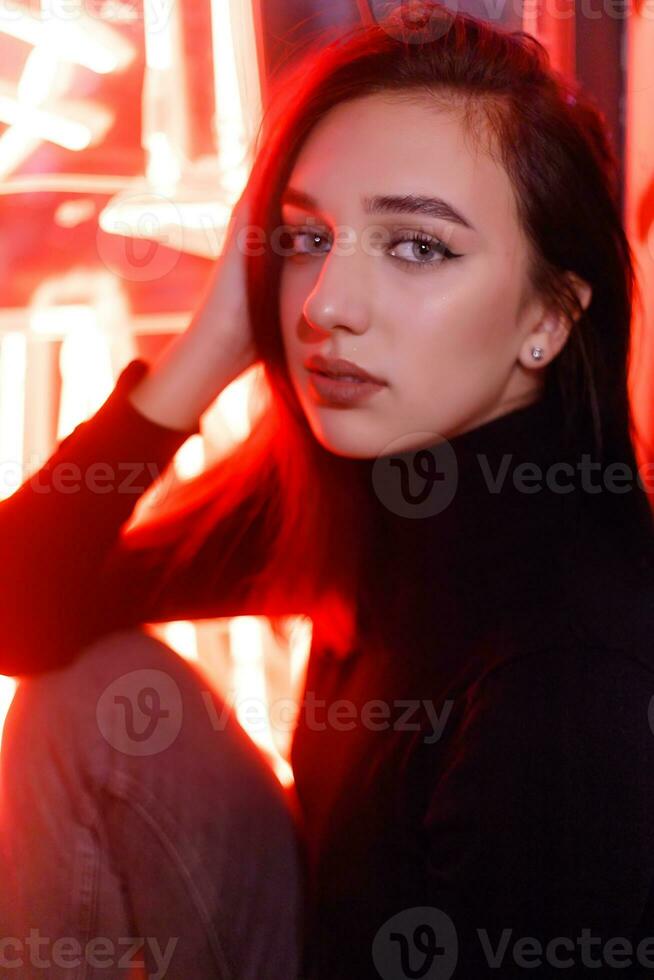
column 466, row 462
column 475, row 481
column 483, row 561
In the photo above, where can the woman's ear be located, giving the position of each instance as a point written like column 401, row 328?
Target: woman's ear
column 553, row 329
column 582, row 289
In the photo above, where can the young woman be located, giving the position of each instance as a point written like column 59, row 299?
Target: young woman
column 432, row 212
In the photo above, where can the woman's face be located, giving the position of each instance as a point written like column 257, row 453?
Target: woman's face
column 450, row 337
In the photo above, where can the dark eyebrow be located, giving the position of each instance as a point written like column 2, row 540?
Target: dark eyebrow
column 430, row 207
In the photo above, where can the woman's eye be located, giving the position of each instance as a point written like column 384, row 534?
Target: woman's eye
column 305, row 241
column 423, row 249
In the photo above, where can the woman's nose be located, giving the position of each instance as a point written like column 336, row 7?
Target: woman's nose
column 341, row 296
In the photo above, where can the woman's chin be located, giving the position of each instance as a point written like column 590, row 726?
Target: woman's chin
column 347, row 439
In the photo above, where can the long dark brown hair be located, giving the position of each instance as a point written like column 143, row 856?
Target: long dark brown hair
column 553, row 142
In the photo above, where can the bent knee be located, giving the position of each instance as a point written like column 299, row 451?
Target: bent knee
column 122, row 663
column 105, row 659
column 129, row 700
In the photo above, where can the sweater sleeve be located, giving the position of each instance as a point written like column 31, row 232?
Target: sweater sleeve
column 65, row 578
column 539, row 828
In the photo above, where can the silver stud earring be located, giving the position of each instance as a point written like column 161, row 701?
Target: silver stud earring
column 537, row 353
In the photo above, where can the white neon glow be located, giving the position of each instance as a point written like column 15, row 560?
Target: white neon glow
column 82, row 40
column 7, row 691
column 85, row 366
column 45, row 124
column 246, row 635
column 233, row 406
column 189, row 459
column 230, row 130
column 39, row 77
column 13, row 366
column 163, row 165
column 158, row 38
column 300, row 635
column 182, row 637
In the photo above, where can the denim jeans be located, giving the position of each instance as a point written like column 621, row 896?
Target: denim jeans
column 139, row 824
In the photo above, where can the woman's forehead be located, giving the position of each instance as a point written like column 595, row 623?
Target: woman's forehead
column 379, row 147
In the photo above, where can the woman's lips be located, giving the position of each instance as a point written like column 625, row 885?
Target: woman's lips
column 340, row 367
column 344, row 390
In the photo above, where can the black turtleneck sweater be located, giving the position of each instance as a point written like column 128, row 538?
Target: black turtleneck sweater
column 475, row 777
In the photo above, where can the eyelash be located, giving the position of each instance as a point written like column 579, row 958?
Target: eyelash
column 419, row 236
